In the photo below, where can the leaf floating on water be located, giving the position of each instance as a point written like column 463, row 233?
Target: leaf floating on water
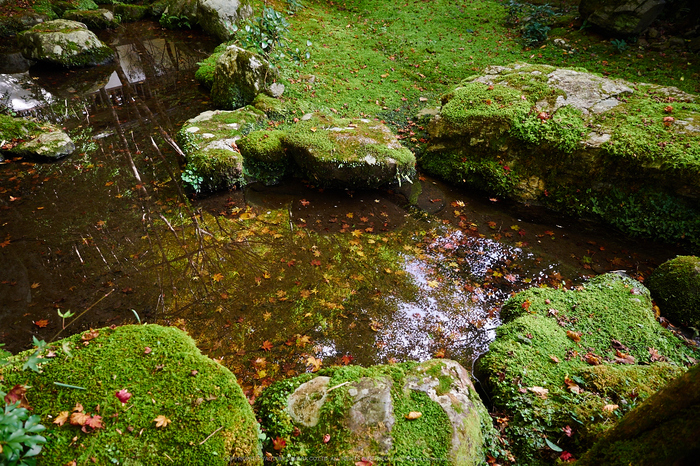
column 41, row 323
column 413, row 415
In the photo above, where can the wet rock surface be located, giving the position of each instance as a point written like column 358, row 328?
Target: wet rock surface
column 240, row 75
column 622, row 17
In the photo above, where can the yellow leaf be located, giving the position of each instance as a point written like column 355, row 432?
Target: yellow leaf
column 62, row 418
column 433, row 283
column 34, row 286
column 217, row 277
column 413, row 415
column 515, row 227
column 246, row 215
column 161, row 421
column 539, row 391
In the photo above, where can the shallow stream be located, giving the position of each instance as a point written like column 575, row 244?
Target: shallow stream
column 273, row 281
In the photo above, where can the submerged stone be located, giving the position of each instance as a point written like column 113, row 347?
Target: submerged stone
column 65, row 43
column 349, row 153
column 576, row 142
column 398, row 412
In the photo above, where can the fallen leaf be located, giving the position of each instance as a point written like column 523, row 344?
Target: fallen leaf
column 567, row 431
column 539, row 391
column 161, row 421
column 413, row 415
column 610, row 408
column 279, row 443
column 90, row 335
column 217, row 277
column 34, row 286
column 364, row 462
column 17, row 394
column 61, row 418
column 654, row 355
column 79, row 419
column 576, row 336
column 326, row 438
column 267, row 345
column 313, row 363
column 123, row 395
column 95, row 422
column 554, row 358
column 346, row 359
column 41, row 323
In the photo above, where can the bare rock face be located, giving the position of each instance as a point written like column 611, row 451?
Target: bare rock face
column 399, row 413
column 66, row 43
column 621, row 17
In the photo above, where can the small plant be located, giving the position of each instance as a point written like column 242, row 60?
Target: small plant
column 192, row 179
column 266, row 32
column 35, row 358
column 533, row 20
column 174, row 21
column 19, row 439
column 619, row 45
column 64, row 316
column 293, row 6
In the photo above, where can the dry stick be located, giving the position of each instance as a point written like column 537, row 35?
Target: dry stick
column 210, row 435
column 82, row 313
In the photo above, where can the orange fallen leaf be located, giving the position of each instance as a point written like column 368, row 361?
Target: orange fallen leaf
column 610, row 408
column 576, row 336
column 413, row 415
column 41, row 323
column 34, row 286
column 62, row 418
column 267, row 345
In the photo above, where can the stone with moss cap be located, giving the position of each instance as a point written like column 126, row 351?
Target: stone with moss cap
column 575, row 142
column 33, row 139
column 239, row 76
column 563, row 356
column 370, row 412
column 205, row 418
column 94, row 19
column 65, row 43
column 675, row 286
column 264, row 157
column 209, row 143
column 349, row 153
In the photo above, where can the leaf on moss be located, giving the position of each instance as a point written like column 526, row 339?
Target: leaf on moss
column 162, row 421
column 575, row 336
column 413, row 415
column 539, row 391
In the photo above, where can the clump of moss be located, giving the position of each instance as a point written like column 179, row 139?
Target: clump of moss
column 205, row 73
column 675, row 286
column 264, row 157
column 168, row 379
column 130, row 13
column 17, row 128
column 588, row 349
column 564, row 130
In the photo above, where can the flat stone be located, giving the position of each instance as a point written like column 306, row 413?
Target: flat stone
column 305, row 403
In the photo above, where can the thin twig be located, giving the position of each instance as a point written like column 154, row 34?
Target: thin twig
column 210, row 435
column 82, row 313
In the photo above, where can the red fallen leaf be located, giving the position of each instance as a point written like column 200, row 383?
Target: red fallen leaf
column 567, row 430
column 279, row 443
column 316, row 262
column 94, row 422
column 17, row 394
column 90, row 335
column 267, row 346
column 654, row 355
column 566, row 456
column 296, row 432
column 346, row 359
column 592, row 359
column 41, row 323
column 326, row 438
column 668, row 109
column 147, row 350
column 364, row 462
column 123, row 395
column 304, row 202
column 526, row 305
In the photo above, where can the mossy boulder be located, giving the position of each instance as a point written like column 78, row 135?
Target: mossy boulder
column 209, row 142
column 675, row 286
column 239, row 76
column 93, row 19
column 409, row 412
column 624, row 153
column 65, row 43
column 665, row 429
column 216, row 17
column 130, row 13
column 204, row 417
column 264, row 157
column 566, row 364
column 621, row 17
column 348, row 153
column 33, row 139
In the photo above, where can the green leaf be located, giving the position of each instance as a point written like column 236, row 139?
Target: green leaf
column 553, row 445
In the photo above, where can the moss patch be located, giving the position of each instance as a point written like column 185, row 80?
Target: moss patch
column 675, row 286
column 173, row 379
column 264, row 158
column 576, row 345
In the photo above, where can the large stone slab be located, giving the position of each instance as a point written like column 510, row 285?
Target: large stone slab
column 576, row 142
column 621, row 17
column 65, row 43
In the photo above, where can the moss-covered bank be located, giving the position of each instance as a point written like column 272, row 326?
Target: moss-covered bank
column 567, row 364
column 675, row 286
column 168, row 379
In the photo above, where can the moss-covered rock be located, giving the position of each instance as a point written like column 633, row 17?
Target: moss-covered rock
column 65, row 43
column 665, row 429
column 209, row 143
column 204, row 417
column 675, row 286
column 239, row 76
column 352, row 153
column 264, row 157
column 93, row 19
column 38, row 140
column 590, row 146
column 130, row 13
column 574, row 361
column 410, row 412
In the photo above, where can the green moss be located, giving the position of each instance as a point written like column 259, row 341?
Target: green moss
column 425, row 439
column 536, row 348
column 216, row 169
column 205, row 73
column 161, row 382
column 17, row 128
column 130, row 13
column 264, row 158
column 565, row 131
column 474, row 103
column 675, row 286
column 93, row 19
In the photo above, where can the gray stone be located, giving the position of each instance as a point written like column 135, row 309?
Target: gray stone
column 621, row 17
column 305, row 403
column 371, row 415
column 93, row 19
column 50, row 145
column 63, row 42
column 240, row 75
column 276, row 90
column 216, row 17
